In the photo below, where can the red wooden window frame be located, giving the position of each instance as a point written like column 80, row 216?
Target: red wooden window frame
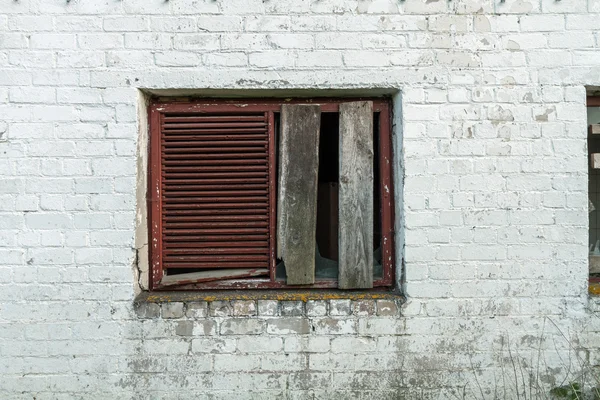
column 159, row 107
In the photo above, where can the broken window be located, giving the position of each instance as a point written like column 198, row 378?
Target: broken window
column 593, row 139
column 271, row 194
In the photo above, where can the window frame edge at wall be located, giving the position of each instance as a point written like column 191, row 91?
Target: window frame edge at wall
column 386, row 184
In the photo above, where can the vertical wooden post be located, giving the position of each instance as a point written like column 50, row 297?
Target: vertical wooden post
column 356, row 196
column 298, row 182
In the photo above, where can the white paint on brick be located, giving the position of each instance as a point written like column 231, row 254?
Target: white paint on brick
column 491, row 203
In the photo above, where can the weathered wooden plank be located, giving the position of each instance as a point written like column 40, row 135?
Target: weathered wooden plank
column 594, row 262
column 356, row 196
column 595, row 160
column 297, row 200
column 212, row 275
column 594, row 129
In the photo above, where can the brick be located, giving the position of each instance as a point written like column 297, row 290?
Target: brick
column 340, row 307
column 125, row 24
column 267, row 23
column 268, row 308
column 240, row 326
column 49, row 256
column 319, row 59
column 316, row 308
column 67, row 23
column 196, row 310
column 333, row 326
column 353, row 345
column 292, row 308
column 234, row 59
column 177, row 59
column 220, row 308
column 77, row 95
column 128, row 59
column 198, row 41
column 219, row 23
column 386, row 308
column 172, row 310
column 214, row 345
column 244, row 308
column 204, row 328
column 236, row 362
column 53, row 41
column 259, row 345
column 31, row 59
column 154, row 41
column 79, row 59
column 28, row 23
column 173, row 24
column 48, row 221
column 99, row 41
column 286, row 326
column 8, row 257
column 363, row 307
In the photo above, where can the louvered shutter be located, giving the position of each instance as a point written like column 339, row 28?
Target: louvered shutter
column 214, row 190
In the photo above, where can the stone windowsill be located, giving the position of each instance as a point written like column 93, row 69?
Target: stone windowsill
column 281, row 295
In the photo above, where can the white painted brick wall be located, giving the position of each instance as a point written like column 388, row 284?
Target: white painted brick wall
column 490, row 132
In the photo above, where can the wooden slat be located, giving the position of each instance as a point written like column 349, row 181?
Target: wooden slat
column 225, row 251
column 176, row 140
column 595, row 160
column 216, row 258
column 186, row 144
column 217, row 125
column 195, row 212
column 195, row 245
column 594, row 129
column 207, row 276
column 210, row 208
column 237, row 132
column 299, row 166
column 213, row 231
column 212, row 118
column 237, row 218
column 219, row 169
column 356, row 196
column 221, row 155
column 175, row 239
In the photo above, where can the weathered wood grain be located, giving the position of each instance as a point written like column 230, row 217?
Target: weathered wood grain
column 297, row 200
column 356, row 196
column 212, row 275
column 595, row 160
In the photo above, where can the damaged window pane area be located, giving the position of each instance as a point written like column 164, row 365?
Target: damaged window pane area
column 271, row 194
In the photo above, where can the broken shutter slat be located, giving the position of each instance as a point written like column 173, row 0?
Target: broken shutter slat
column 356, row 196
column 212, row 275
column 298, row 180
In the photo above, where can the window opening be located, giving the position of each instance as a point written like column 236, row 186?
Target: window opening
column 593, row 142
column 213, row 195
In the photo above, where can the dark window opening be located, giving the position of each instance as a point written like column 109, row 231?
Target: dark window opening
column 593, row 145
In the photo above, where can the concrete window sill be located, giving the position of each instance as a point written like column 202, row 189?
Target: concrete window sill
column 280, row 295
